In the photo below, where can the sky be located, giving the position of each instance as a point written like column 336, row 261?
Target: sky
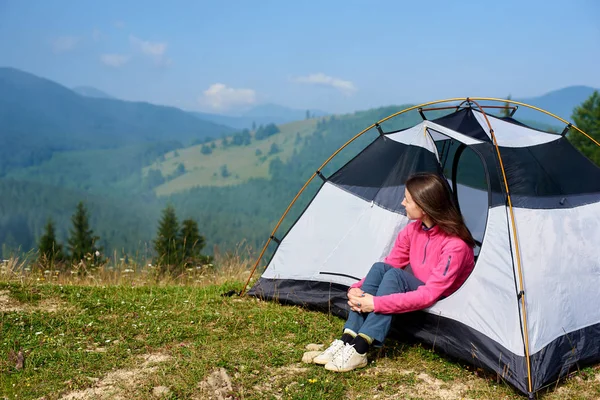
column 337, row 56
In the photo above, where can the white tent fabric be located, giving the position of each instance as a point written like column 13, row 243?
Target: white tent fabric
column 561, row 270
column 351, row 223
column 418, row 135
column 511, row 135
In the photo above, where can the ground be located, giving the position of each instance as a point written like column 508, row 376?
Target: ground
column 133, row 341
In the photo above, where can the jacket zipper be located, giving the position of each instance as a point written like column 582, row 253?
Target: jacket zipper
column 425, row 251
column 447, row 265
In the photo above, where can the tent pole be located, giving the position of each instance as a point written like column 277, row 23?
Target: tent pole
column 540, row 110
column 517, row 251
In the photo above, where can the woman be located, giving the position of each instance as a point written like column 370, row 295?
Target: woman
column 431, row 258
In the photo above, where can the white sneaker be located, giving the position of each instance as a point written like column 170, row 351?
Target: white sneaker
column 329, row 353
column 346, row 360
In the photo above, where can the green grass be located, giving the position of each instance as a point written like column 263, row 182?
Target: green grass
column 100, row 331
column 242, row 161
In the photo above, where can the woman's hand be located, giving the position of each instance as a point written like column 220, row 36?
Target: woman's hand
column 355, row 291
column 360, row 302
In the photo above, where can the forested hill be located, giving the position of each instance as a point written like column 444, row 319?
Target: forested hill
column 127, row 161
column 227, row 216
column 39, row 117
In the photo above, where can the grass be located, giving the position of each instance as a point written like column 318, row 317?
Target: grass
column 135, row 335
column 242, row 161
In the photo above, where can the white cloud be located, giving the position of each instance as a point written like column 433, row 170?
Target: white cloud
column 64, row 44
column 221, row 97
column 346, row 87
column 155, row 50
column 114, row 60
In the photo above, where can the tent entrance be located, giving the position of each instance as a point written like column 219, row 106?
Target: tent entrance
column 466, row 173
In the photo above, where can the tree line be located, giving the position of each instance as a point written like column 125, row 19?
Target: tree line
column 176, row 246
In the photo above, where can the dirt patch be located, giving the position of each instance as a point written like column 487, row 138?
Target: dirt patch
column 8, row 304
column 216, row 386
column 117, row 384
column 421, row 385
column 276, row 376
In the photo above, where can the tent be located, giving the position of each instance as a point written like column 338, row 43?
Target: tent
column 529, row 310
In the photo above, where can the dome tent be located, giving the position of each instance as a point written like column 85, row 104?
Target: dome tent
column 528, row 311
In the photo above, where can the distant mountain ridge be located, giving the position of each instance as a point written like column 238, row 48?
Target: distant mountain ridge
column 39, row 117
column 560, row 102
column 261, row 115
column 90, row 91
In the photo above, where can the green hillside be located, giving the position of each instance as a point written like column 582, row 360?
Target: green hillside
column 242, row 162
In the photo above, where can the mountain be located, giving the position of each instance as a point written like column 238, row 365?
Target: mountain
column 560, row 102
column 89, row 91
column 260, row 115
column 39, row 117
column 230, row 121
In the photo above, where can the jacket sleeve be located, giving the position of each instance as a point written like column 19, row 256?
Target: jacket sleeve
column 400, row 255
column 357, row 284
column 454, row 256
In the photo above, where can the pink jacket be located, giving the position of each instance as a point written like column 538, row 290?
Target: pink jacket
column 441, row 261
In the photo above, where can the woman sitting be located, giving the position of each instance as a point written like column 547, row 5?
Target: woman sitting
column 431, row 258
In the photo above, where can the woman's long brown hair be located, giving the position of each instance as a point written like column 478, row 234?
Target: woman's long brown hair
column 432, row 193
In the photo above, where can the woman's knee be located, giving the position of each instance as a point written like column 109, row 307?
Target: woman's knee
column 379, row 267
column 395, row 275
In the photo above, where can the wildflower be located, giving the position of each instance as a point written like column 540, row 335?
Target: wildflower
column 38, row 333
column 312, row 380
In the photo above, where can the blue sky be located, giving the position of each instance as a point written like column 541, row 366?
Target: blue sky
column 338, row 56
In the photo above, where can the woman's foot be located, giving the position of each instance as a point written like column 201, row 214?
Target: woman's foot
column 347, row 359
column 330, row 353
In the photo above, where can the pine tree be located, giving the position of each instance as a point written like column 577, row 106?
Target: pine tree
column 587, row 118
column 50, row 251
column 167, row 242
column 81, row 239
column 191, row 241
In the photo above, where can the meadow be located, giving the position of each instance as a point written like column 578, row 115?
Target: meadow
column 121, row 331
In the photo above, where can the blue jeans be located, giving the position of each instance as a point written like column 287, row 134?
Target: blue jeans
column 382, row 279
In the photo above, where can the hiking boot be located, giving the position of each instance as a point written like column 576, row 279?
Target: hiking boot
column 329, row 353
column 346, row 360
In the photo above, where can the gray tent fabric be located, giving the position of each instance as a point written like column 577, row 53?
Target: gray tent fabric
column 502, row 317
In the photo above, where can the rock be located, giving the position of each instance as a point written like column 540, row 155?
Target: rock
column 314, row 347
column 309, row 356
column 161, row 391
column 20, row 364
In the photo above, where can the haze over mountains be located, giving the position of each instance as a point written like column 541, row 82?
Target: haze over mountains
column 129, row 159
